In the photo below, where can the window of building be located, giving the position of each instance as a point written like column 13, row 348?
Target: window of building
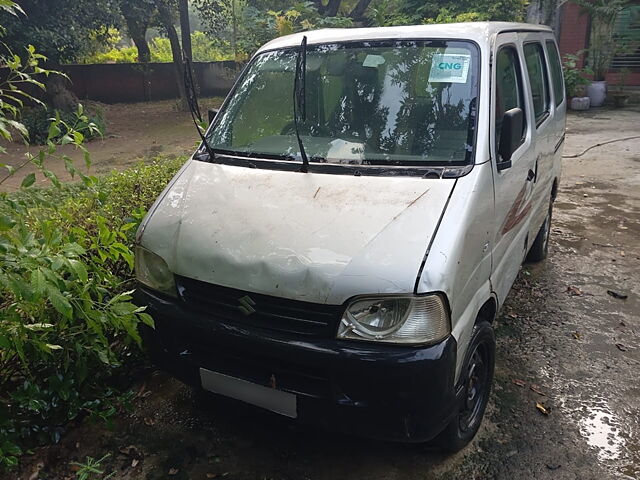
column 626, row 35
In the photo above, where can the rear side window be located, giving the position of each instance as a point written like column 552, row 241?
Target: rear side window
column 556, row 72
column 509, row 92
column 538, row 78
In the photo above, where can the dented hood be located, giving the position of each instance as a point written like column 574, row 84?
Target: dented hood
column 314, row 237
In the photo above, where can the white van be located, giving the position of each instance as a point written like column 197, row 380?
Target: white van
column 338, row 248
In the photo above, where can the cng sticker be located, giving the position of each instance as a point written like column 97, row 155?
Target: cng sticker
column 449, row 68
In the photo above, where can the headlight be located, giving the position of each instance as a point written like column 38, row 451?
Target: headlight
column 396, row 319
column 152, row 271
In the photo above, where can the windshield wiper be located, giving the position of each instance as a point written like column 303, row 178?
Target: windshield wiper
column 299, row 107
column 251, row 154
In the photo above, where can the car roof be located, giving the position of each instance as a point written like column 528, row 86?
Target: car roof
column 477, row 31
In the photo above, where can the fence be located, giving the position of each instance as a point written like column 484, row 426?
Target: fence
column 130, row 82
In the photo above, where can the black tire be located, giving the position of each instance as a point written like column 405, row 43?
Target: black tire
column 540, row 247
column 476, row 379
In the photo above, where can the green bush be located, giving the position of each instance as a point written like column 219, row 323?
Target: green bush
column 67, row 324
column 202, row 47
column 38, row 120
column 575, row 78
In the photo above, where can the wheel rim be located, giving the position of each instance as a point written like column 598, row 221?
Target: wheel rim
column 476, row 389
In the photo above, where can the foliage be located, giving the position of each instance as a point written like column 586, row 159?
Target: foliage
column 139, row 15
column 91, row 469
column 20, row 70
column 204, row 50
column 385, row 13
column 67, row 322
column 574, row 77
column 62, row 30
column 67, row 318
column 602, row 47
column 406, row 12
column 115, row 55
column 257, row 23
column 38, row 120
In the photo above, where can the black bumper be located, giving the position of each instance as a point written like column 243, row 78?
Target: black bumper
column 379, row 391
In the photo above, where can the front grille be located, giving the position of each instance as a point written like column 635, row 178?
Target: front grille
column 255, row 310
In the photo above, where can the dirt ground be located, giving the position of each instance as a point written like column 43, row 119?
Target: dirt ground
column 562, row 340
column 135, row 131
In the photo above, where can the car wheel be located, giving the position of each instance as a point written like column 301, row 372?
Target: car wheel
column 540, row 247
column 476, row 379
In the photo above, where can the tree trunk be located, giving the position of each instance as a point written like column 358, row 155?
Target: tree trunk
column 167, row 18
column 177, row 62
column 138, row 32
column 144, row 52
column 185, row 29
column 358, row 11
column 331, row 10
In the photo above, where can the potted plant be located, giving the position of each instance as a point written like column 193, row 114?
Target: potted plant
column 575, row 81
column 603, row 14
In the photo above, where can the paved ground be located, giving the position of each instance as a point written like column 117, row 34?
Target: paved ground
column 560, row 333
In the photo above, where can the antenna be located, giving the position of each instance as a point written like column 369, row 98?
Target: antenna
column 192, row 102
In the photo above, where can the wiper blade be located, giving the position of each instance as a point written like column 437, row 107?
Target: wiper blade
column 257, row 155
column 299, row 107
column 194, row 108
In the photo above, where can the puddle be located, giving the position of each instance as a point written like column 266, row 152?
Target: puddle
column 601, row 431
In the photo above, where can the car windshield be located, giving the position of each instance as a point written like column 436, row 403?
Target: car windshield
column 366, row 103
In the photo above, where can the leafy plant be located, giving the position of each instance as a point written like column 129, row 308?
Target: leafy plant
column 575, row 78
column 37, row 122
column 203, row 48
column 603, row 14
column 91, row 469
column 67, row 322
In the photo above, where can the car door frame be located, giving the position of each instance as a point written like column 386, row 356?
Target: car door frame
column 544, row 139
column 512, row 188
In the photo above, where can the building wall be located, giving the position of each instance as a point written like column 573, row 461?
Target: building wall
column 574, row 36
column 129, row 82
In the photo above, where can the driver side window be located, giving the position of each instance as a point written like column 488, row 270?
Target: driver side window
column 509, row 92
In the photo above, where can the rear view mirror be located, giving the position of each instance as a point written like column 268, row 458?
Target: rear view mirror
column 212, row 114
column 510, row 136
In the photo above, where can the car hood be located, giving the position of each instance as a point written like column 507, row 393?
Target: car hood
column 315, row 237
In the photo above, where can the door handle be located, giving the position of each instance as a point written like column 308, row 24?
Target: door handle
column 531, row 176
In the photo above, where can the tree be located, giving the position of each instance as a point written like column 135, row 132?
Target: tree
column 185, row 29
column 62, row 31
column 167, row 13
column 602, row 46
column 398, row 12
column 139, row 15
column 245, row 25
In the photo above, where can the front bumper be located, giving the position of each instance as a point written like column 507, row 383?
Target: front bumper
column 379, row 391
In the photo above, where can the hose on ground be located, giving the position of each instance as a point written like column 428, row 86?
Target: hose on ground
column 599, row 145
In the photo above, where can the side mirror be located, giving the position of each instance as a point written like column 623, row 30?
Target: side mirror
column 212, row 114
column 510, row 136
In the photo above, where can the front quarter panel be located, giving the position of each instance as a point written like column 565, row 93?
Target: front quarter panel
column 459, row 259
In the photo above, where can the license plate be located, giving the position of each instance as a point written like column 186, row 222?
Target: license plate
column 277, row 401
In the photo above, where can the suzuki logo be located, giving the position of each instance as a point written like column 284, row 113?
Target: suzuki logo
column 246, row 305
